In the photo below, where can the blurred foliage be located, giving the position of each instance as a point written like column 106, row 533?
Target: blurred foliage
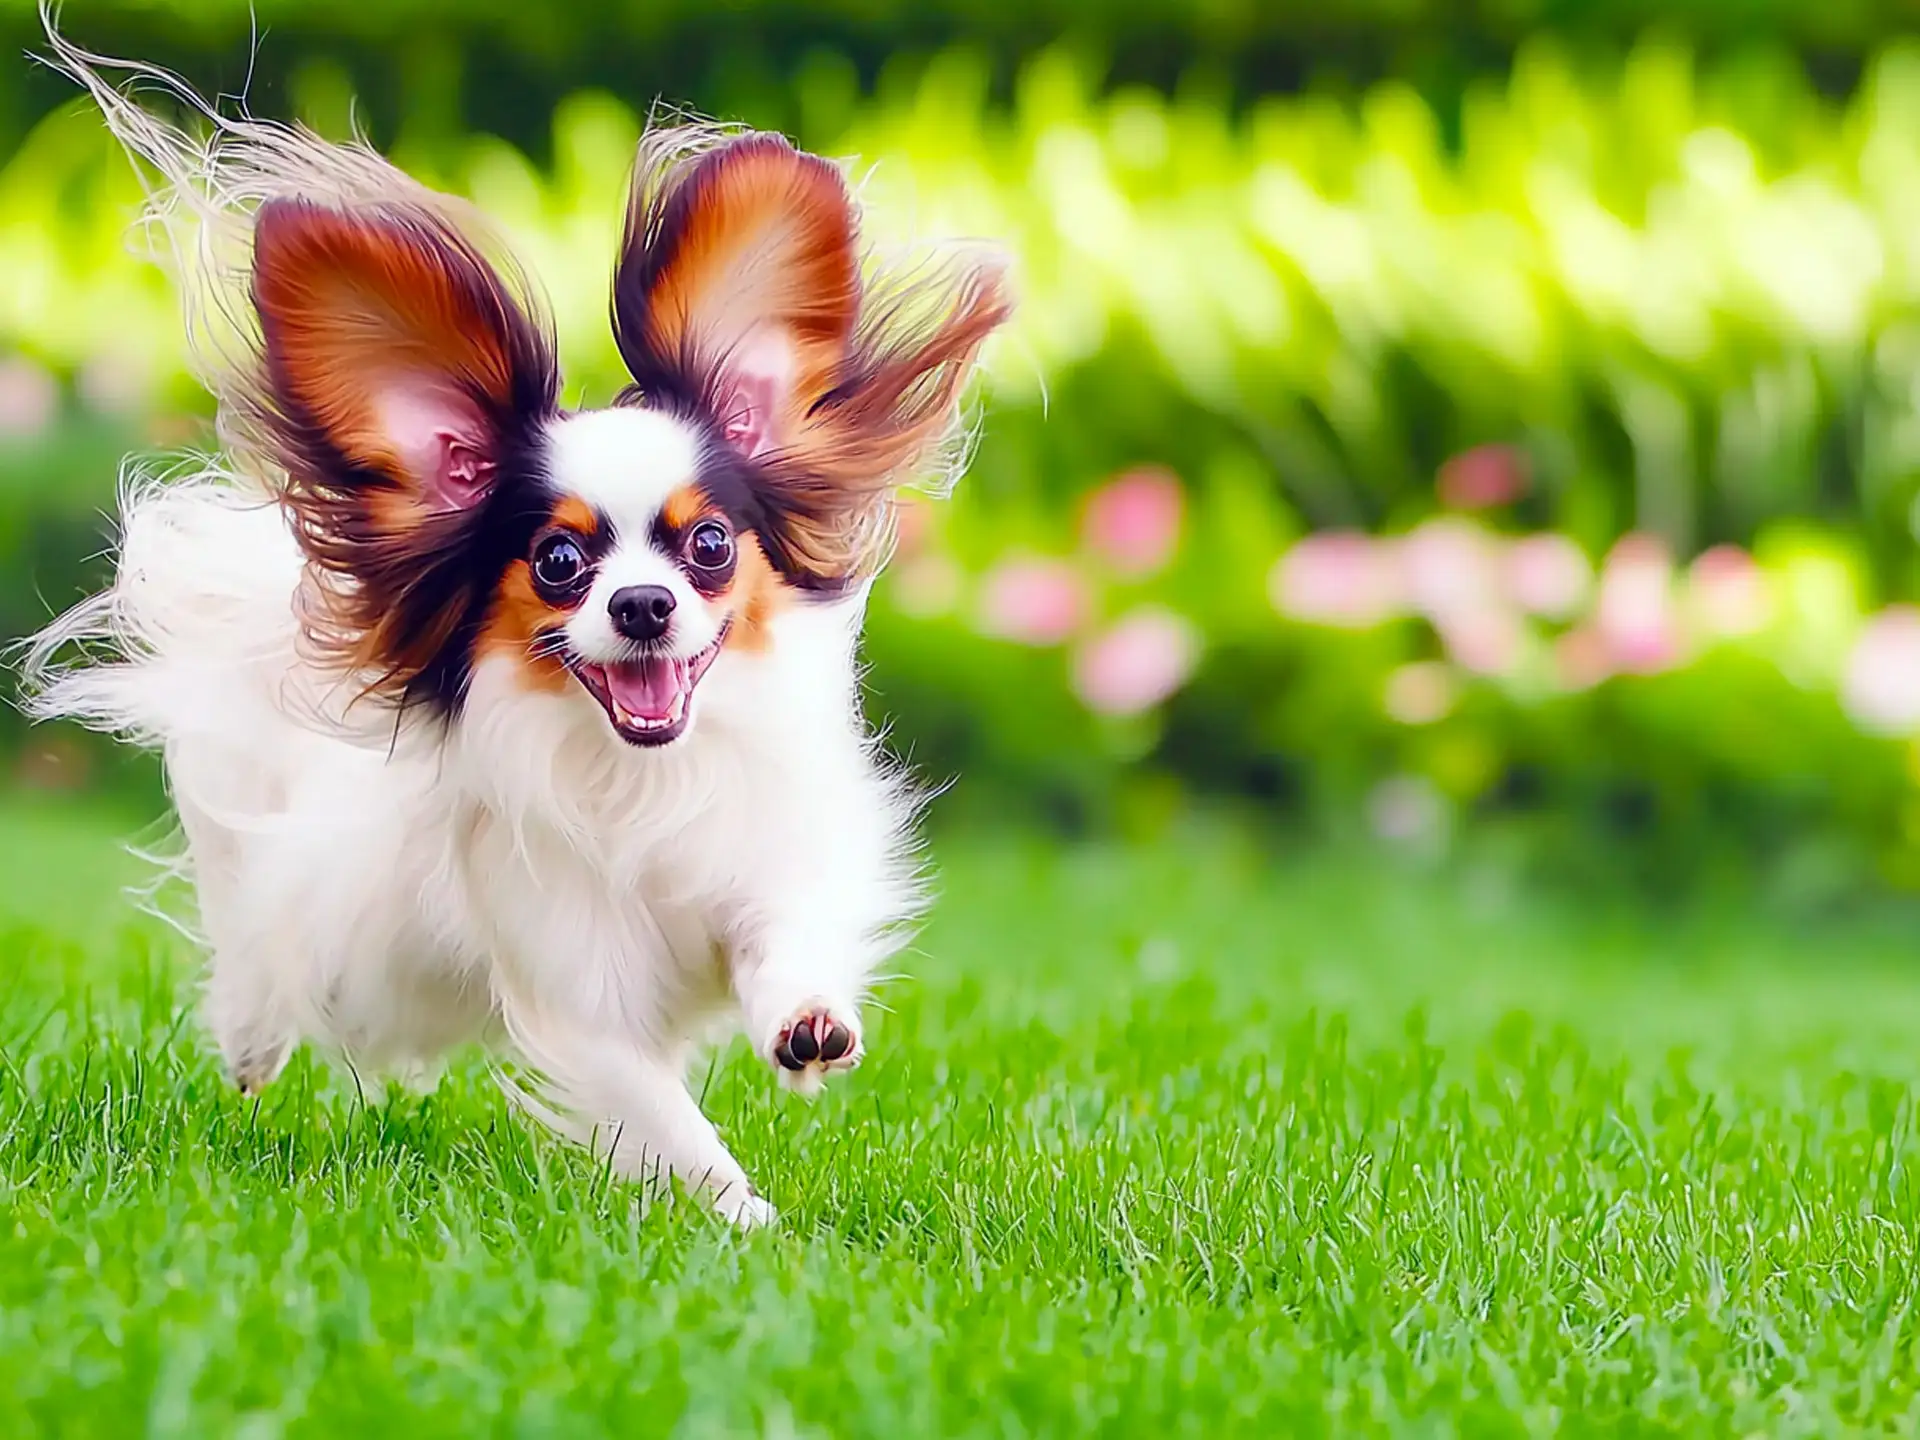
column 501, row 67
column 1669, row 295
column 1688, row 294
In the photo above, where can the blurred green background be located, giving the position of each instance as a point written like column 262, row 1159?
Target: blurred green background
column 1461, row 426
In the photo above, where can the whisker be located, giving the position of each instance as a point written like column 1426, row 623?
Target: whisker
column 549, row 645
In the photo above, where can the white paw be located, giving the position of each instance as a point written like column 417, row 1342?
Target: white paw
column 810, row 1044
column 744, row 1209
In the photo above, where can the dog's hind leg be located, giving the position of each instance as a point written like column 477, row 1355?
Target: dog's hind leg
column 254, row 1037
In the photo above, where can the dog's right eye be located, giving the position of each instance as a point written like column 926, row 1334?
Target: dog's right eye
column 559, row 566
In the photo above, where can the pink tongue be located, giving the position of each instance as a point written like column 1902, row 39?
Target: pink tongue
column 645, row 688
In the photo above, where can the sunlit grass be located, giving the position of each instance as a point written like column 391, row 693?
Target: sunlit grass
column 1167, row 1139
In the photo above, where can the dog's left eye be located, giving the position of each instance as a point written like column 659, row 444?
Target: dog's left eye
column 710, row 547
column 559, row 565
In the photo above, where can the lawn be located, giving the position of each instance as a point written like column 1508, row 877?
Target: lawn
column 1163, row 1139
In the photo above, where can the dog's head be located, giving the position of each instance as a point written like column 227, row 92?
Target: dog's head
column 451, row 510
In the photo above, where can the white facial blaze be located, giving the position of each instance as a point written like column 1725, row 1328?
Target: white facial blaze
column 625, row 464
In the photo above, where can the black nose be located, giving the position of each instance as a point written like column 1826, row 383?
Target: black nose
column 641, row 612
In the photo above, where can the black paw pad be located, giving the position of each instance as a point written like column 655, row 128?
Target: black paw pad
column 803, row 1042
column 837, row 1042
column 811, row 1038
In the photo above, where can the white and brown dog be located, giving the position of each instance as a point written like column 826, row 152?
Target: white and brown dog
column 488, row 718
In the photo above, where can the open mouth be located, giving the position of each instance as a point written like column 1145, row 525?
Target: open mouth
column 648, row 699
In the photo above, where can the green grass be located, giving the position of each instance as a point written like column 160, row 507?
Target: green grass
column 1158, row 1140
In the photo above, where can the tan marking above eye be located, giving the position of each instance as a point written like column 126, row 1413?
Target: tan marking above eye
column 684, row 506
column 573, row 513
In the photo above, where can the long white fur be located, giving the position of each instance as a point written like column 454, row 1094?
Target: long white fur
column 393, row 889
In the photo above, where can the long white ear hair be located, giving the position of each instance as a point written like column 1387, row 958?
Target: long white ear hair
column 206, row 178
column 374, row 354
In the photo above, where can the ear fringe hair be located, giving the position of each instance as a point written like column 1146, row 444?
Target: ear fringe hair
column 205, row 179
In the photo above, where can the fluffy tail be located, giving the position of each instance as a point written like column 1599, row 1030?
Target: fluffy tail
column 200, row 613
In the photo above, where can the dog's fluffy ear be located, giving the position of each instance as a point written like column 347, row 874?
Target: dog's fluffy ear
column 399, row 373
column 738, row 281
column 739, row 294
column 400, row 347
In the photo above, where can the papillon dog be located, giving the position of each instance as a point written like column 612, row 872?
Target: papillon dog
column 488, row 718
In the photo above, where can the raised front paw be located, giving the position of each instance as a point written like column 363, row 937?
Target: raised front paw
column 819, row 1039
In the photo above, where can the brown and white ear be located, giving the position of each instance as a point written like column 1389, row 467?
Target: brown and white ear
column 397, row 371
column 739, row 289
column 738, row 285
column 388, row 338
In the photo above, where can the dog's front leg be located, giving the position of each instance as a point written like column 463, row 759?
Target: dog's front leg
column 634, row 1109
column 799, row 994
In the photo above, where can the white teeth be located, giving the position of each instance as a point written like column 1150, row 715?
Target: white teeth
column 684, row 678
column 631, row 721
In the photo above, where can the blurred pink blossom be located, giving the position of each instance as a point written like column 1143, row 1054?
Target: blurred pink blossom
column 1548, row 575
column 1581, row 658
column 926, row 585
column 1337, row 577
column 1420, row 693
column 1881, row 687
column 1483, row 477
column 1728, row 592
column 1133, row 521
column 1451, row 567
column 1033, row 601
column 1635, row 613
column 29, row 397
column 1143, row 658
column 1483, row 641
column 117, row 382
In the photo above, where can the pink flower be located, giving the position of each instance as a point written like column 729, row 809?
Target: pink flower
column 1582, row 659
column 1548, row 575
column 1485, row 641
column 29, row 397
column 1141, row 660
column 1133, row 521
column 1032, row 602
column 1635, row 613
column 1483, row 477
column 117, row 382
column 1451, row 568
column 1728, row 592
column 1881, row 687
column 1420, row 693
column 1338, row 577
